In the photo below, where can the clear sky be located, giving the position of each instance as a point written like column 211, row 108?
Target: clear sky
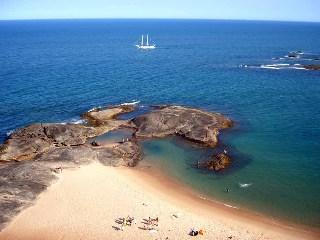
column 288, row 10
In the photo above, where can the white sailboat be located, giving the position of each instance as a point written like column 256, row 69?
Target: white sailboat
column 147, row 45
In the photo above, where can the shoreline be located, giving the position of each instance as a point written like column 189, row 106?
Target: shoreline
column 148, row 176
column 85, row 202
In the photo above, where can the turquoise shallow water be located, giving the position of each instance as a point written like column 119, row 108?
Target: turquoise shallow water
column 278, row 196
column 52, row 71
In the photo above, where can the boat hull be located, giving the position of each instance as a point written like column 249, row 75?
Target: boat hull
column 146, row 47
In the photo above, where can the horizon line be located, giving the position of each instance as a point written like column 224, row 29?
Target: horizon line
column 198, row 19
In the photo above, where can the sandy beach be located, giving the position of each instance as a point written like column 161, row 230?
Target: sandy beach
column 86, row 202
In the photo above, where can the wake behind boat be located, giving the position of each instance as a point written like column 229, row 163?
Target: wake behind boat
column 147, row 45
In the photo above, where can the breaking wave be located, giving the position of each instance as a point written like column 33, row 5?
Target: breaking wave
column 244, row 185
column 10, row 132
column 134, row 102
column 230, row 206
column 94, row 109
column 298, row 60
column 278, row 66
column 74, row 121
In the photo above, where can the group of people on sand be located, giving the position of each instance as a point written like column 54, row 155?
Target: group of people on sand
column 150, row 224
column 128, row 221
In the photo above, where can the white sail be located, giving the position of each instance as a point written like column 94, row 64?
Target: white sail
column 147, row 45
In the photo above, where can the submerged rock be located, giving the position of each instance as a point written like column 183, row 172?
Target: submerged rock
column 219, row 162
column 192, row 124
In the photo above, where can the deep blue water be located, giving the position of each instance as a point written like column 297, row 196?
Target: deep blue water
column 52, row 71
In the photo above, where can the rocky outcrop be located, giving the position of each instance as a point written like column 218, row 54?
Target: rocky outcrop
column 104, row 116
column 20, row 184
column 217, row 163
column 48, row 140
column 126, row 154
column 105, row 119
column 192, row 124
column 312, row 67
column 122, row 154
column 26, row 143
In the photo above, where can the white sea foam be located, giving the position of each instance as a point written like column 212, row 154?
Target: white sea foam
column 283, row 66
column 94, row 108
column 134, row 102
column 77, row 121
column 73, row 121
column 280, row 64
column 299, row 68
column 203, row 198
column 10, row 132
column 230, row 206
column 269, row 67
column 245, row 185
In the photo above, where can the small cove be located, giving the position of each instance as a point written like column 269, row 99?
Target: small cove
column 177, row 158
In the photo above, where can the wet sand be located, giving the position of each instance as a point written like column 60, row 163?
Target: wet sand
column 86, row 202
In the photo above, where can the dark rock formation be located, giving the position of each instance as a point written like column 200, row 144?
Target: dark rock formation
column 192, row 124
column 104, row 116
column 20, row 184
column 219, row 162
column 124, row 154
column 293, row 55
column 312, row 67
column 28, row 142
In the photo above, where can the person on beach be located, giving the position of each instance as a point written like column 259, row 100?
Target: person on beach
column 193, row 232
column 129, row 220
column 122, row 226
column 202, row 232
column 153, row 221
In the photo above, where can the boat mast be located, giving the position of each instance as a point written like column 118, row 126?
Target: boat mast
column 142, row 40
column 147, row 39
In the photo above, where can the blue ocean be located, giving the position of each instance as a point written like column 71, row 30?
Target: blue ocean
column 251, row 71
